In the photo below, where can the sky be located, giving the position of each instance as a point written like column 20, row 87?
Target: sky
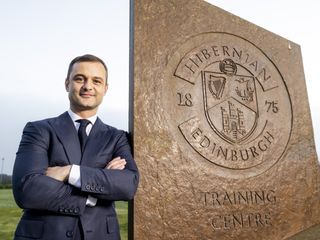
column 39, row 39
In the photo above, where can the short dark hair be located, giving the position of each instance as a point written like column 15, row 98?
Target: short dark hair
column 86, row 58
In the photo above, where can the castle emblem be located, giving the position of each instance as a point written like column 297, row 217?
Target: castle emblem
column 233, row 122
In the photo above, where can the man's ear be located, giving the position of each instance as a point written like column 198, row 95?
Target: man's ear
column 66, row 84
column 106, row 89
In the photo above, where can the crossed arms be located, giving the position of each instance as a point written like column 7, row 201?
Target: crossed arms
column 62, row 173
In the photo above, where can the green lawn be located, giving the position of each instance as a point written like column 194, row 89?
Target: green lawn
column 10, row 215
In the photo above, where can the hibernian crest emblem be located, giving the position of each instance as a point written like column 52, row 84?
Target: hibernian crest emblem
column 227, row 102
column 230, row 101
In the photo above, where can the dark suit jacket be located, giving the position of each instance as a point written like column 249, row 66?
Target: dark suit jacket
column 56, row 210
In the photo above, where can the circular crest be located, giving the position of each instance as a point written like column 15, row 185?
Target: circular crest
column 227, row 103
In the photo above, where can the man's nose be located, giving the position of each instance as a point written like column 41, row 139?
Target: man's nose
column 87, row 85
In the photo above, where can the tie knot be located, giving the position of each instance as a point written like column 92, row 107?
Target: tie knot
column 83, row 122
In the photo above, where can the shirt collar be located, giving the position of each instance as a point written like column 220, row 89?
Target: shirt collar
column 74, row 117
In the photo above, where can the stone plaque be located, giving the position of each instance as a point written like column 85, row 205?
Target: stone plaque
column 221, row 127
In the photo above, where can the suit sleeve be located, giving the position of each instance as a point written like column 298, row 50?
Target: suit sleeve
column 31, row 187
column 111, row 184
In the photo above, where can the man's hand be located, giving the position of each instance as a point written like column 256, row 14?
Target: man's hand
column 116, row 163
column 59, row 173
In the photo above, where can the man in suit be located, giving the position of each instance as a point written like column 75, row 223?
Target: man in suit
column 69, row 171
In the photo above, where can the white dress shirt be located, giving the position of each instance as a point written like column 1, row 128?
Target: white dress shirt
column 74, row 175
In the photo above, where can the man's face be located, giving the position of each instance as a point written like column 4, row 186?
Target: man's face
column 86, row 86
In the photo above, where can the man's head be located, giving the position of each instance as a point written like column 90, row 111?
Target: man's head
column 87, row 58
column 86, row 84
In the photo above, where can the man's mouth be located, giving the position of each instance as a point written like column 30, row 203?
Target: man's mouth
column 86, row 95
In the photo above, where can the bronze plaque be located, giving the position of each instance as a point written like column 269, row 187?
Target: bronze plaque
column 221, row 128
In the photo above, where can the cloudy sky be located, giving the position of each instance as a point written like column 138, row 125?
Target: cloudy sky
column 39, row 38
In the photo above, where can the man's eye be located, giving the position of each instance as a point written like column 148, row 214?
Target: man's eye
column 79, row 79
column 97, row 81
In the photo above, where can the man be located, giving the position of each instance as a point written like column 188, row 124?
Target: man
column 69, row 171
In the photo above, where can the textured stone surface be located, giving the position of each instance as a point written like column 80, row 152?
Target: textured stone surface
column 222, row 129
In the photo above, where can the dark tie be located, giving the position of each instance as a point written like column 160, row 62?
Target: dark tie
column 82, row 134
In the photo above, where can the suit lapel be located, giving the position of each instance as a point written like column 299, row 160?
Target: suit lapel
column 67, row 135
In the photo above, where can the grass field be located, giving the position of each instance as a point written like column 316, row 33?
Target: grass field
column 10, row 215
